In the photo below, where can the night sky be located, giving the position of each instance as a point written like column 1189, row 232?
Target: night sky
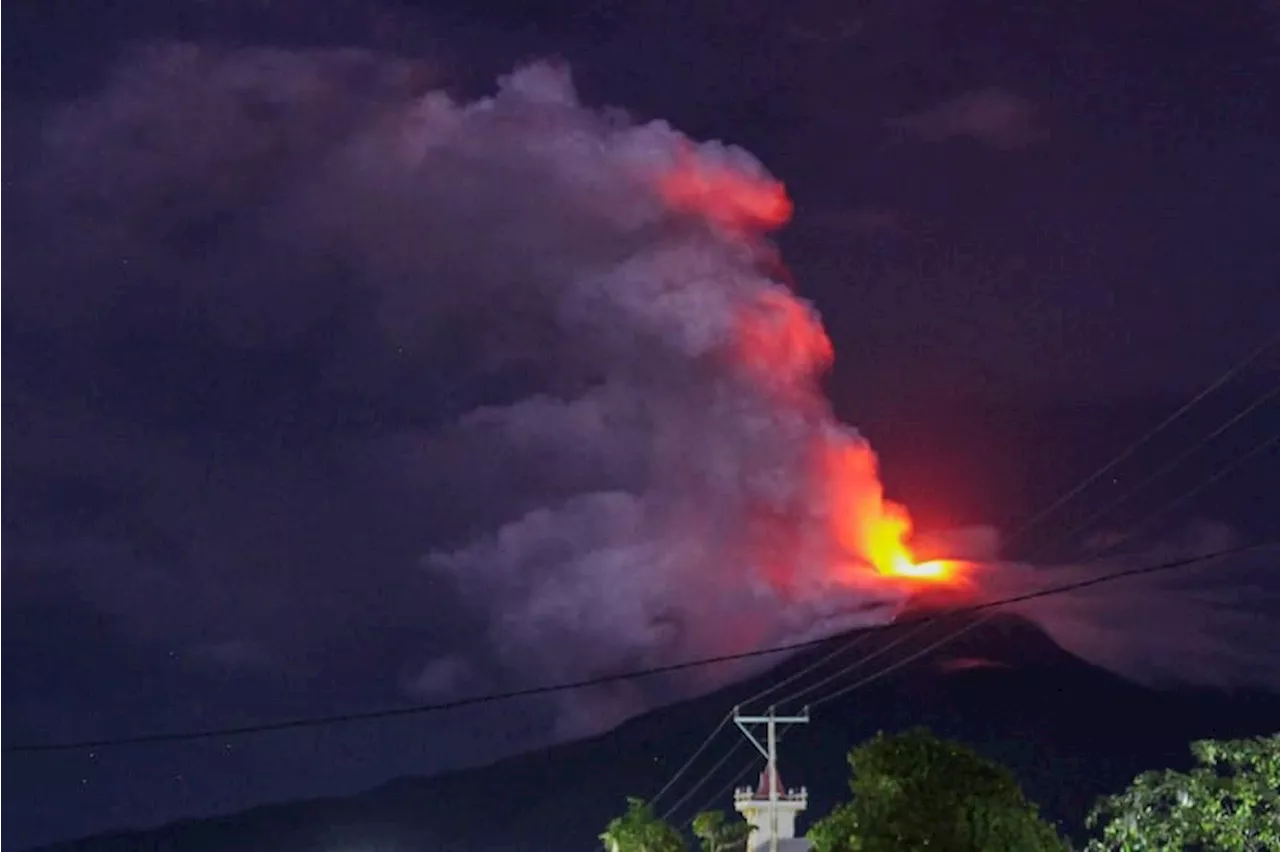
column 217, row 495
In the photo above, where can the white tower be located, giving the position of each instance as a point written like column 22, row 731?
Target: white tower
column 769, row 807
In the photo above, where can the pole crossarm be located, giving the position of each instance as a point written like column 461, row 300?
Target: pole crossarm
column 769, row 750
column 743, row 721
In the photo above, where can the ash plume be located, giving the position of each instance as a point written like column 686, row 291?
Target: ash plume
column 598, row 424
column 609, row 388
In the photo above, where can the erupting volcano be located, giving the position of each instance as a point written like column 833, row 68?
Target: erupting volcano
column 781, row 344
column 633, row 461
column 877, row 529
column 409, row 388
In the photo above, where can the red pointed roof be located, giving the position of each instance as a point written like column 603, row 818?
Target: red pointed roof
column 762, row 789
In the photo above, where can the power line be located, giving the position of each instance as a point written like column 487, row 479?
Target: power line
column 1027, row 526
column 1128, row 451
column 862, row 661
column 737, row 777
column 724, row 720
column 910, row 658
column 546, row 689
column 1181, row 499
column 796, row 696
column 704, row 779
column 920, row 627
column 1039, row 516
column 1187, row 495
column 887, row 670
column 1172, row 463
column 840, row 650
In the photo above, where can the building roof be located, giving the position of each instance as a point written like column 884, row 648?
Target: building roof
column 762, row 788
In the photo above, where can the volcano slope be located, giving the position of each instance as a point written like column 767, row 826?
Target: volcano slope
column 1069, row 730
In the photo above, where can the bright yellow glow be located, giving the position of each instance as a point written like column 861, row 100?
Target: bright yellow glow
column 936, row 569
column 876, row 528
column 892, row 557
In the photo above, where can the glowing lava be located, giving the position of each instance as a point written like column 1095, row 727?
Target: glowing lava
column 889, row 553
column 868, row 526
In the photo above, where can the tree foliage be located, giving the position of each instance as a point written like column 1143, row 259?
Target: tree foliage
column 915, row 791
column 716, row 833
column 640, row 830
column 1229, row 802
column 836, row 832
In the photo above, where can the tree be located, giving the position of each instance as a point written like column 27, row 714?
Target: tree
column 640, row 830
column 718, row 834
column 1229, row 802
column 837, row 831
column 915, row 791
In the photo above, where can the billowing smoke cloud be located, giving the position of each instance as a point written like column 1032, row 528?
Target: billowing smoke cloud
column 605, row 382
column 644, row 476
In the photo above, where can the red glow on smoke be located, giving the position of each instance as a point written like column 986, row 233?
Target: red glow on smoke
column 725, row 196
column 781, row 338
column 782, row 343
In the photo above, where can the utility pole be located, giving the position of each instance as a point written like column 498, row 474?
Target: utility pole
column 769, row 749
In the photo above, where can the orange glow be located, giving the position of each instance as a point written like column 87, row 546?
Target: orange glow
column 888, row 552
column 778, row 337
column 867, row 525
column 725, row 196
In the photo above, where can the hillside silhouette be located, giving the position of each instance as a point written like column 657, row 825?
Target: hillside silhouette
column 1069, row 730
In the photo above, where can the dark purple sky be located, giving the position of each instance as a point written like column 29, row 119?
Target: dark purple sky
column 213, row 514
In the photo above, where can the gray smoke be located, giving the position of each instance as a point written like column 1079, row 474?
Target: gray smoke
column 639, row 479
column 608, row 400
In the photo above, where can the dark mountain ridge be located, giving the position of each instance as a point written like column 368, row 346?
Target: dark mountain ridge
column 1070, row 732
